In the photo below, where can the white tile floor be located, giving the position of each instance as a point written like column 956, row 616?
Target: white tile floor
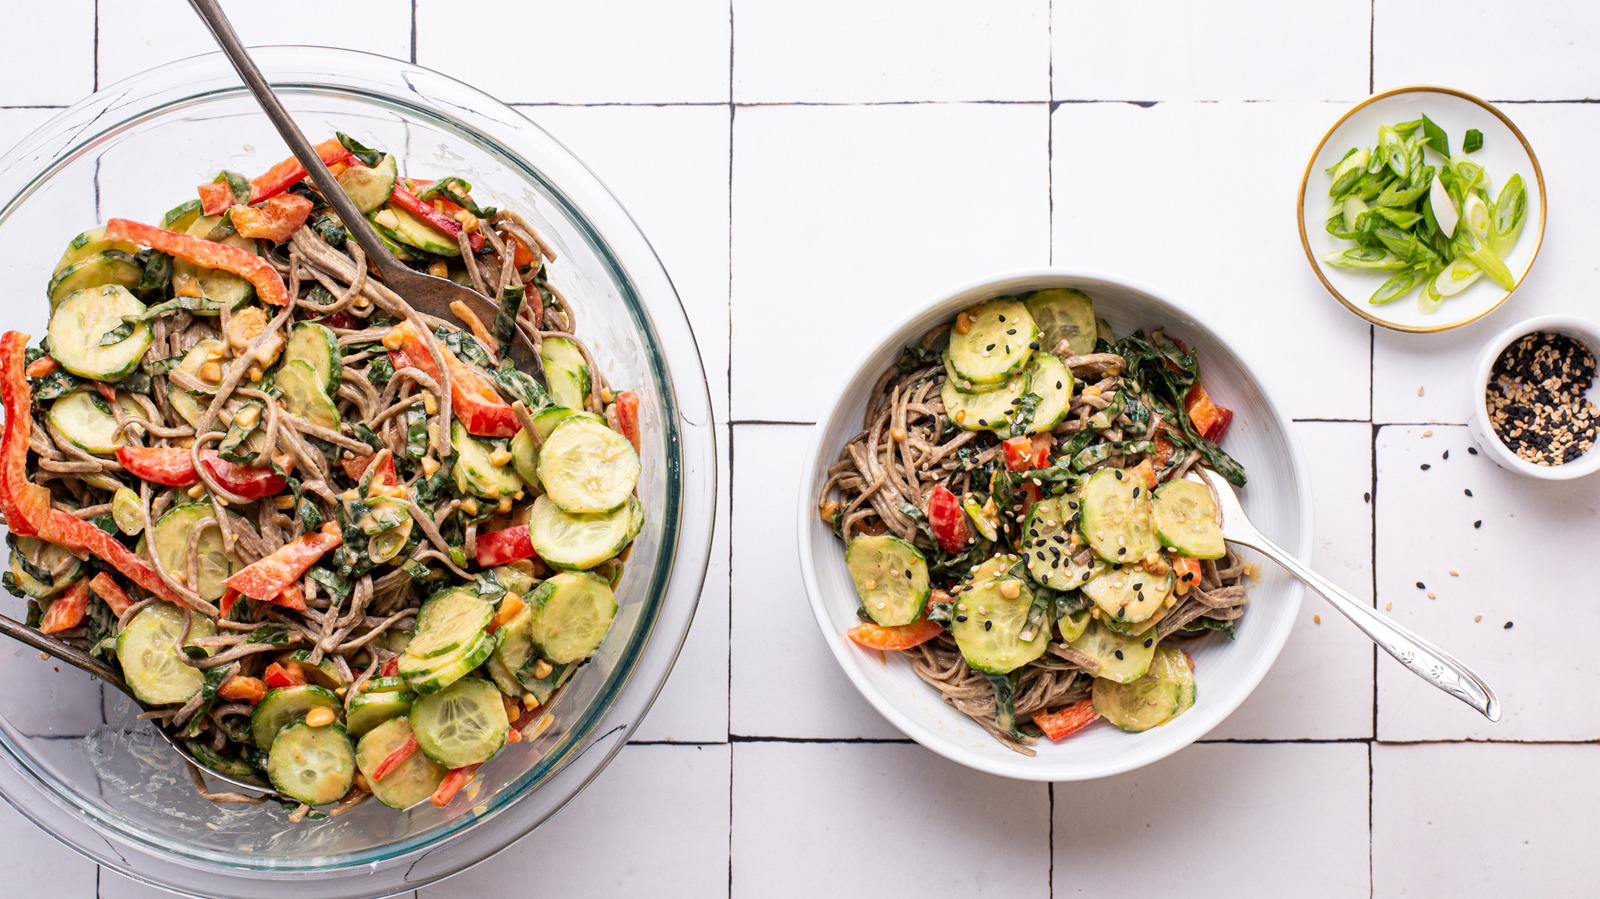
column 825, row 165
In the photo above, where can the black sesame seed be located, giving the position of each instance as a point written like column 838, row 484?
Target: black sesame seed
column 988, row 625
column 1446, row 455
column 1139, row 586
column 1473, row 450
column 1478, row 523
column 1086, row 575
column 1002, row 318
column 988, row 348
column 1366, row 497
column 1058, row 385
column 1421, row 586
column 1034, row 345
column 1122, row 550
column 1011, row 331
column 1148, row 641
column 961, row 618
column 1467, row 492
column 1506, row 626
column 983, row 423
column 1426, row 466
column 1118, row 473
column 1119, row 654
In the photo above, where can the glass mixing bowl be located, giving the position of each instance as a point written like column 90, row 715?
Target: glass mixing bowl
column 72, row 756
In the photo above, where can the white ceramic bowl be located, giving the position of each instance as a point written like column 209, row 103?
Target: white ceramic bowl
column 1277, row 498
column 1581, row 330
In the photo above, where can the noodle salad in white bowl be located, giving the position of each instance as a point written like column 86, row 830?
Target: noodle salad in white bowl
column 1005, row 557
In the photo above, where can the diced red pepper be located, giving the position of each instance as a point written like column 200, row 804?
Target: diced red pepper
column 394, row 759
column 110, row 592
column 452, row 784
column 344, row 321
column 270, row 183
column 206, row 254
column 408, row 201
column 42, row 366
column 473, row 399
column 947, row 521
column 1218, row 430
column 513, row 736
column 1028, row 494
column 276, row 220
column 1207, row 417
column 357, row 466
column 510, row 607
column 937, row 596
column 1163, row 452
column 215, row 197
column 1066, row 720
column 1188, row 658
column 390, row 668
column 265, row 579
column 520, row 255
column 890, row 639
column 106, row 391
column 239, row 688
column 292, row 597
column 1186, row 572
column 1019, row 454
column 67, row 610
column 247, row 481
column 1043, row 444
column 169, row 466
column 1146, row 472
column 284, row 675
column 26, row 505
column 508, row 545
column 229, row 597
column 628, row 417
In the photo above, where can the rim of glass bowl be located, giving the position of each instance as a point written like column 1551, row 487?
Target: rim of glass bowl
column 425, row 96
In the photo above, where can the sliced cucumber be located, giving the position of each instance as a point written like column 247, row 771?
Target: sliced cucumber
column 410, row 782
column 987, row 411
column 303, row 395
column 1051, row 381
column 524, row 458
column 369, row 710
column 991, row 628
column 542, row 687
column 318, row 347
column 103, row 269
column 170, row 535
column 571, row 614
column 127, row 511
column 587, row 467
column 516, row 647
column 384, row 684
column 220, row 288
column 283, row 705
column 315, row 765
column 50, row 556
column 1154, row 699
column 1116, row 516
column 88, row 244
column 475, row 471
column 1102, row 330
column 1063, row 315
column 414, row 231
column 218, row 762
column 324, row 673
column 370, row 188
column 1051, row 540
column 546, row 420
column 390, row 241
column 1186, row 519
column 208, row 350
column 180, row 217
column 962, row 385
column 1128, row 593
column 1073, row 625
column 148, row 651
column 463, row 724
column 997, row 345
column 81, row 322
column 566, row 371
column 449, row 620
column 1122, row 658
column 430, row 675
column 891, row 578
column 516, row 577
column 579, row 542
column 86, row 419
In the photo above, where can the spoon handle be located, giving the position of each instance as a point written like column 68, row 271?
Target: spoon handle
column 211, row 13
column 58, row 649
column 1427, row 661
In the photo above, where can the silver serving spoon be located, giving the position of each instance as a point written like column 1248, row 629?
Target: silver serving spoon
column 428, row 294
column 81, row 660
column 1425, row 660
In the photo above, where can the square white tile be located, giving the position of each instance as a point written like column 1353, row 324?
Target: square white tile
column 1321, row 687
column 655, row 823
column 848, row 218
column 669, row 167
column 850, row 51
column 1564, row 274
column 33, row 863
column 1139, row 192
column 1425, row 530
column 133, row 39
column 785, row 681
column 50, row 61
column 1292, row 818
column 1541, row 50
column 609, row 51
column 839, row 819
column 1477, row 821
column 1175, row 50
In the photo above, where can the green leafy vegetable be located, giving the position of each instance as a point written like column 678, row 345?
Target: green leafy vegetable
column 1473, row 142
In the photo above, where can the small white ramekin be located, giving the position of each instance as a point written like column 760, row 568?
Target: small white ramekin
column 1482, row 432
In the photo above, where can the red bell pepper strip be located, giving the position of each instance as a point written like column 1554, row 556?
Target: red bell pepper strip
column 76, row 535
column 248, row 481
column 628, row 417
column 394, row 759
column 521, row 256
column 1066, row 720
column 25, row 505
column 1028, row 494
column 1216, row 432
column 276, row 220
column 281, row 675
column 948, row 522
column 265, row 579
column 509, row 545
column 408, row 201
column 473, row 399
column 240, row 688
column 42, row 366
column 206, row 254
column 215, row 197
column 272, row 182
column 1163, row 451
column 452, row 784
column 105, row 586
column 67, row 610
column 390, row 668
column 169, row 466
column 229, row 597
column 1145, row 471
column 904, row 636
column 292, row 597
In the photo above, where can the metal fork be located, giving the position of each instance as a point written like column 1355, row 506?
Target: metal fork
column 1425, row 660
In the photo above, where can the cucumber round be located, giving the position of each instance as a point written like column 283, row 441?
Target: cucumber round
column 987, row 411
column 108, row 268
column 180, row 217
column 587, row 467
column 412, row 781
column 148, row 651
column 219, row 287
column 474, row 469
column 430, row 675
column 127, row 511
column 85, row 418
column 516, row 647
column 579, row 542
column 566, row 371
column 449, row 620
column 1115, row 516
column 1073, row 625
column 369, row 710
column 571, row 614
column 315, row 765
column 1063, row 315
column 216, row 761
column 415, row 231
column 88, row 244
column 169, row 535
column 317, row 346
column 891, row 578
column 991, row 629
column 283, row 705
column 82, row 320
column 370, row 188
column 1162, row 694
column 1050, row 540
column 1128, row 594
column 383, row 684
column 389, row 240
column 546, row 420
column 304, row 396
column 1186, row 519
column 1123, row 658
column 49, row 556
column 188, row 407
column 997, row 345
column 1051, row 381
column 463, row 724
column 524, row 458
column 324, row 673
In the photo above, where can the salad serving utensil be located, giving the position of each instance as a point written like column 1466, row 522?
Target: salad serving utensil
column 428, row 294
column 1425, row 660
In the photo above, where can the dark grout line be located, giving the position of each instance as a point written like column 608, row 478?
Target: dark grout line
column 1371, row 850
column 1357, row 421
column 413, row 32
column 95, row 62
column 1419, row 424
column 732, row 111
column 767, row 421
column 843, row 741
column 38, row 106
column 1372, row 42
column 1372, row 564
column 1264, row 741
column 642, row 104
